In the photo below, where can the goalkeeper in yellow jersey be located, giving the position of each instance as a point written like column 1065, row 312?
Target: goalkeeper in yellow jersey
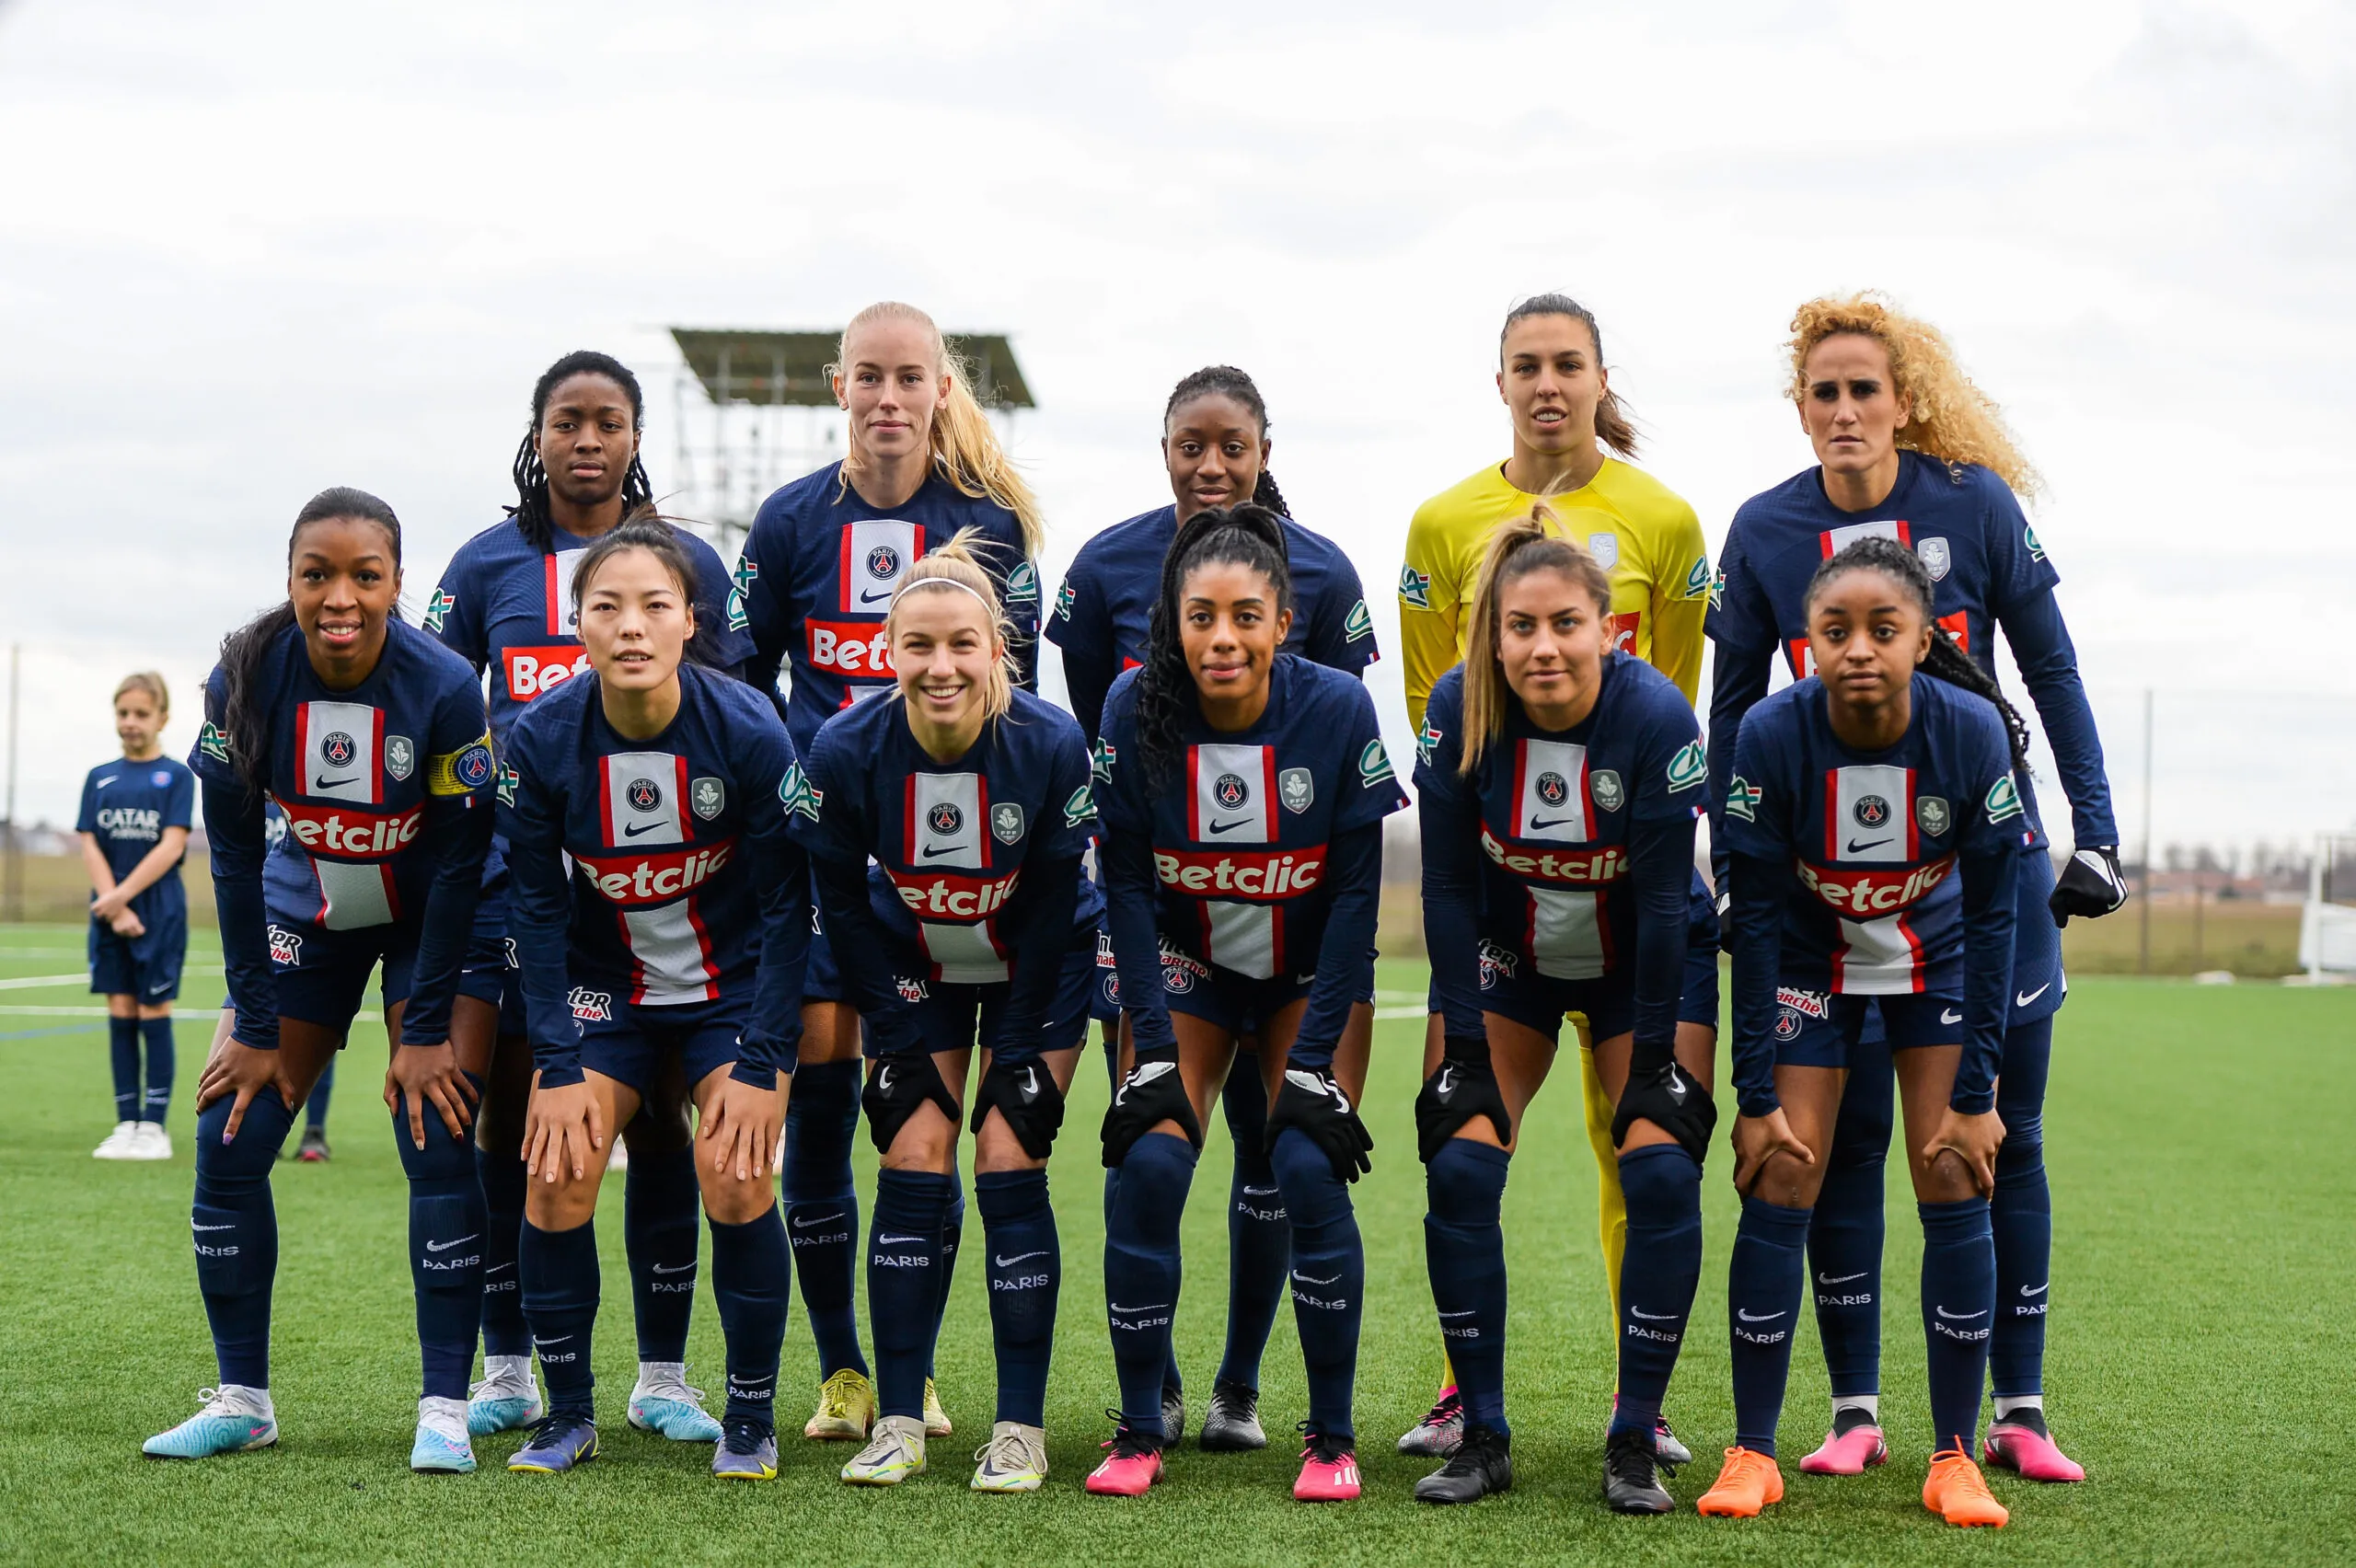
column 1551, row 380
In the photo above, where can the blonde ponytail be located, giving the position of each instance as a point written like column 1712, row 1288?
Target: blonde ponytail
column 953, row 568
column 1532, row 542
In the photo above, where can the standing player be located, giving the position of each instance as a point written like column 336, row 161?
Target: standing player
column 504, row 605
column 819, row 569
column 135, row 816
column 659, row 910
column 973, row 923
column 1558, row 785
column 1215, row 446
column 1909, row 449
column 1553, row 382
column 1244, row 793
column 371, row 737
column 1876, row 833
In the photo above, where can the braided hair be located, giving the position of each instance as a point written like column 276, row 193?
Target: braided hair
column 1249, row 535
column 1949, row 661
column 1226, row 381
column 531, row 508
column 244, row 721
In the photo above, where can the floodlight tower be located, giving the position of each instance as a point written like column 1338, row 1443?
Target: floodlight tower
column 768, row 415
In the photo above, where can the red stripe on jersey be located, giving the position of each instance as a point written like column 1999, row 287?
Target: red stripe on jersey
column 907, row 803
column 843, row 566
column 302, row 747
column 554, row 592
column 374, row 757
column 1913, row 832
column 392, row 891
column 606, row 813
column 1832, row 816
column 703, row 937
column 1268, row 796
column 982, row 834
column 1195, row 833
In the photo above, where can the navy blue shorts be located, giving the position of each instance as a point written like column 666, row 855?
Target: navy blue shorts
column 147, row 966
column 1512, row 987
column 953, row 1016
column 2038, row 984
column 1698, row 1001
column 1816, row 1030
column 323, row 976
column 487, row 972
column 627, row 1042
column 1105, row 1007
column 1238, row 1003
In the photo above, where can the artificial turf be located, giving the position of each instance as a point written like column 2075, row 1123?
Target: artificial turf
column 2203, row 1335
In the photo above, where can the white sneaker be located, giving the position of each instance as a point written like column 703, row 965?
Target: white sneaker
column 118, row 1144
column 150, row 1142
column 1014, row 1459
column 894, row 1453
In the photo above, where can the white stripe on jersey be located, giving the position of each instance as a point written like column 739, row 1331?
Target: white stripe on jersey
column 354, row 894
column 341, row 756
column 1551, row 801
column 876, row 554
column 1873, row 816
column 965, row 954
column 946, row 812
column 563, row 620
column 1878, row 958
column 673, row 958
column 642, row 799
column 1234, row 802
column 1567, row 933
column 1241, row 936
column 1835, row 540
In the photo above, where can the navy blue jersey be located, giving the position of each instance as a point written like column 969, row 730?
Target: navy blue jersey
column 506, row 607
column 1865, row 848
column 1987, row 570
column 683, row 885
column 1558, row 817
column 371, row 783
column 1239, row 832
column 126, row 806
column 1107, row 602
column 818, row 573
column 951, row 842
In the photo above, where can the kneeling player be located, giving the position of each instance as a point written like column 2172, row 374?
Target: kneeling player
column 1558, row 785
column 1876, row 833
column 688, row 925
column 974, row 924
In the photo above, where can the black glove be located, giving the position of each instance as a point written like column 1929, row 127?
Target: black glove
column 1152, row 1093
column 896, row 1087
column 2091, row 884
column 1309, row 1099
column 1463, row 1087
column 1026, row 1095
column 1673, row 1100
column 1725, row 904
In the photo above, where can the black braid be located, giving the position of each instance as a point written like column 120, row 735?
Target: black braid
column 531, row 508
column 1946, row 660
column 1226, row 381
column 245, row 722
column 1247, row 535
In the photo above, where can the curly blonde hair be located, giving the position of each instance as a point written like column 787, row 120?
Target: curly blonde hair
column 1952, row 420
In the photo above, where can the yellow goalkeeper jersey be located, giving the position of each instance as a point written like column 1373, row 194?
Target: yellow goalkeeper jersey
column 1643, row 532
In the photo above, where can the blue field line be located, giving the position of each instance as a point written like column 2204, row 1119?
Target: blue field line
column 38, row 1033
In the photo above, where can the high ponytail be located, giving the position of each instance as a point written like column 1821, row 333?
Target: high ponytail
column 1250, row 537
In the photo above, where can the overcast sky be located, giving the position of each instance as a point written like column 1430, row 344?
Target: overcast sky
column 248, row 251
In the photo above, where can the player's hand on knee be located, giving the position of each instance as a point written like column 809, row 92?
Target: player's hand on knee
column 561, row 1131
column 1025, row 1095
column 1154, row 1092
column 1673, row 1100
column 1310, row 1100
column 1758, row 1139
column 244, row 1071
column 1973, row 1139
column 418, row 1074
column 1463, row 1086
column 743, row 1128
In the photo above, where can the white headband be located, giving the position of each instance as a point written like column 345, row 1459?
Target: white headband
column 941, row 581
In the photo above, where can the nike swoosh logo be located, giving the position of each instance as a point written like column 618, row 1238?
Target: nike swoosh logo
column 1660, row 1317
column 1223, row 826
column 559, row 1340
column 929, row 851
column 1842, row 1279
column 1116, row 1306
column 2039, row 1291
column 1537, row 823
column 333, row 783
column 1030, row 1083
column 1948, row 1015
column 674, row 1268
column 874, row 595
column 897, row 1240
column 109, row 779
column 1747, row 1317
column 1307, row 1280
column 445, row 1246
column 1961, row 1317
column 1466, row 1313
column 1260, row 1191
column 2023, row 998
column 632, row 829
column 496, row 1267
column 1447, row 1084
column 806, row 1223
column 213, row 1228
column 1010, row 1262
column 1857, row 848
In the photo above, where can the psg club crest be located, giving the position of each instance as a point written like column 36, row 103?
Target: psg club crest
column 1230, row 791
column 645, row 795
column 1935, row 557
column 883, row 563
column 1605, row 786
column 339, row 748
column 706, row 796
column 1297, row 789
column 1788, row 1024
column 1871, row 811
column 1552, row 787
column 1006, row 823
column 944, row 819
column 1932, row 814
column 400, row 757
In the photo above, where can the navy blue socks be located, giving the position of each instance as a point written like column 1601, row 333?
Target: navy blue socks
column 235, row 1229
column 446, row 1226
column 162, row 1059
column 1958, row 1299
column 752, row 1276
column 1025, row 1275
column 504, row 1181
column 1658, row 1273
column 1845, row 1239
column 1259, row 1234
column 2022, row 1215
column 953, row 1232
column 1465, row 1251
column 1328, row 1277
column 1762, row 1310
column 1142, row 1270
column 123, row 1055
column 560, row 1287
column 822, row 1208
column 661, row 1209
column 903, row 1284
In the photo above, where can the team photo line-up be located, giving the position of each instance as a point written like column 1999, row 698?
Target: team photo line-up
column 634, row 859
